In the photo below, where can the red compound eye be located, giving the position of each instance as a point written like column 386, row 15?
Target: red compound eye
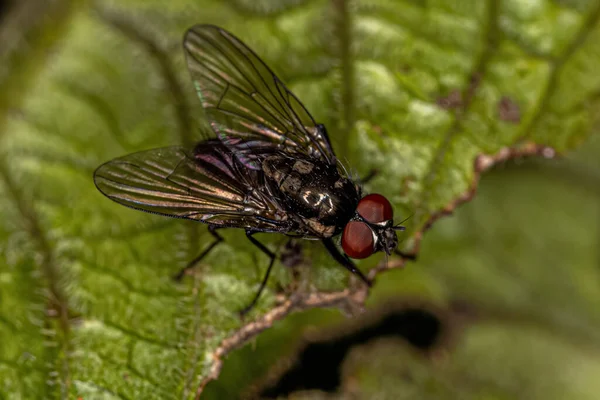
column 375, row 208
column 357, row 240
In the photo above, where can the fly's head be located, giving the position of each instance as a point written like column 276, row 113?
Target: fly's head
column 371, row 229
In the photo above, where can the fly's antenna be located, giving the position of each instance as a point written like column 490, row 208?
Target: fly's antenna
column 399, row 227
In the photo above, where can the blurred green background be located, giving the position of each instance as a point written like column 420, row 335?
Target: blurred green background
column 503, row 300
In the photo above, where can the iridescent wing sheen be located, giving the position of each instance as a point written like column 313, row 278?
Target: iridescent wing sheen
column 208, row 185
column 249, row 108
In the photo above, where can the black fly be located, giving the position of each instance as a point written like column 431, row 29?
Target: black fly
column 271, row 167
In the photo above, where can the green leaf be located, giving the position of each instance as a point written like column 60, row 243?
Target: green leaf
column 516, row 275
column 418, row 90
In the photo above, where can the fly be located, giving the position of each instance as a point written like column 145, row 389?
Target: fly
column 270, row 168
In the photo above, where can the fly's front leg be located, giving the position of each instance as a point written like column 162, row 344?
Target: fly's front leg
column 272, row 257
column 406, row 256
column 368, row 177
column 344, row 260
column 218, row 239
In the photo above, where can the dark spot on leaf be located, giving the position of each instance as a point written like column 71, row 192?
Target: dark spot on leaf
column 318, row 364
column 508, row 110
column 451, row 101
column 4, row 8
column 474, row 82
column 291, row 254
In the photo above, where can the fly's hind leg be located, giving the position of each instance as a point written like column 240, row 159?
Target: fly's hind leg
column 272, row 257
column 218, row 239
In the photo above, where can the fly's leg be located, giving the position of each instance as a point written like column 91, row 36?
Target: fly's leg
column 344, row 260
column 272, row 257
column 192, row 264
column 367, row 178
column 406, row 256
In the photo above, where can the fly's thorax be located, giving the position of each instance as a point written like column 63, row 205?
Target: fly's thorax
column 314, row 191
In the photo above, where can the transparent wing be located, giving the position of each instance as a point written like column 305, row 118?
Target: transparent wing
column 249, row 108
column 208, row 185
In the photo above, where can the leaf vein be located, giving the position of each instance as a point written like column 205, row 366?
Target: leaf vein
column 490, row 45
column 556, row 67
